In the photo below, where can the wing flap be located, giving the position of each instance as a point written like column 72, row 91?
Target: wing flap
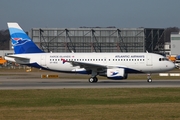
column 87, row 65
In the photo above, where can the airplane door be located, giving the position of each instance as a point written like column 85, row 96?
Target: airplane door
column 149, row 60
column 43, row 60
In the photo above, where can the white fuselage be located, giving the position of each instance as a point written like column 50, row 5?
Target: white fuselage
column 132, row 62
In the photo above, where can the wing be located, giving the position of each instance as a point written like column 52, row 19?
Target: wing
column 87, row 65
column 90, row 66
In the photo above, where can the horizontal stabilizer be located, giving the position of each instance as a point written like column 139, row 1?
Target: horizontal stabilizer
column 18, row 59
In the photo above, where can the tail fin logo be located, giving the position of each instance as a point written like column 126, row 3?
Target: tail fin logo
column 19, row 41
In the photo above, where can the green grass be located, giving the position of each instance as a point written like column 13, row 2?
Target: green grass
column 122, row 103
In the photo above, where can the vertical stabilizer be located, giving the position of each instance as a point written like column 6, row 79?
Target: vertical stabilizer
column 21, row 42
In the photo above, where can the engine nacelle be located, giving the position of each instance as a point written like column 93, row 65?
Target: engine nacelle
column 116, row 74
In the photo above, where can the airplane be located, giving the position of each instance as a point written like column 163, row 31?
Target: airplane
column 115, row 66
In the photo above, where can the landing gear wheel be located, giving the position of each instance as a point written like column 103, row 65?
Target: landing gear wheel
column 149, row 80
column 93, row 79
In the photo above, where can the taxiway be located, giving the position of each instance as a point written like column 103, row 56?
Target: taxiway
column 32, row 80
column 9, row 84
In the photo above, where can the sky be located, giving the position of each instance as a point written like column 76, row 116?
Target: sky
column 90, row 13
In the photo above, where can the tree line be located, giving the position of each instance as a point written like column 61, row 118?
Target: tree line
column 4, row 40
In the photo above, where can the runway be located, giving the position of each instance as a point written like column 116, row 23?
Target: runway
column 32, row 80
column 16, row 84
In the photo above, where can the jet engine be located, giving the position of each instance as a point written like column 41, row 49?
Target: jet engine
column 116, row 74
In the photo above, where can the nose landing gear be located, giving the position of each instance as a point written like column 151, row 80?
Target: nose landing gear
column 149, row 80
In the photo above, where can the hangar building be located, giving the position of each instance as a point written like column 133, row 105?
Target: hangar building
column 98, row 39
column 175, row 43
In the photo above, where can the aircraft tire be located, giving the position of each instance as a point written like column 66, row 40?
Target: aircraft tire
column 91, row 79
column 95, row 79
column 149, row 80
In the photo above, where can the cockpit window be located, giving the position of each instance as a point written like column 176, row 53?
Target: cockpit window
column 163, row 59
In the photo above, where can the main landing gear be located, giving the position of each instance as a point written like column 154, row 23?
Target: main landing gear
column 149, row 80
column 93, row 79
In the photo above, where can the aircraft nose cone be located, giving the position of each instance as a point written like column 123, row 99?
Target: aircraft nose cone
column 172, row 66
